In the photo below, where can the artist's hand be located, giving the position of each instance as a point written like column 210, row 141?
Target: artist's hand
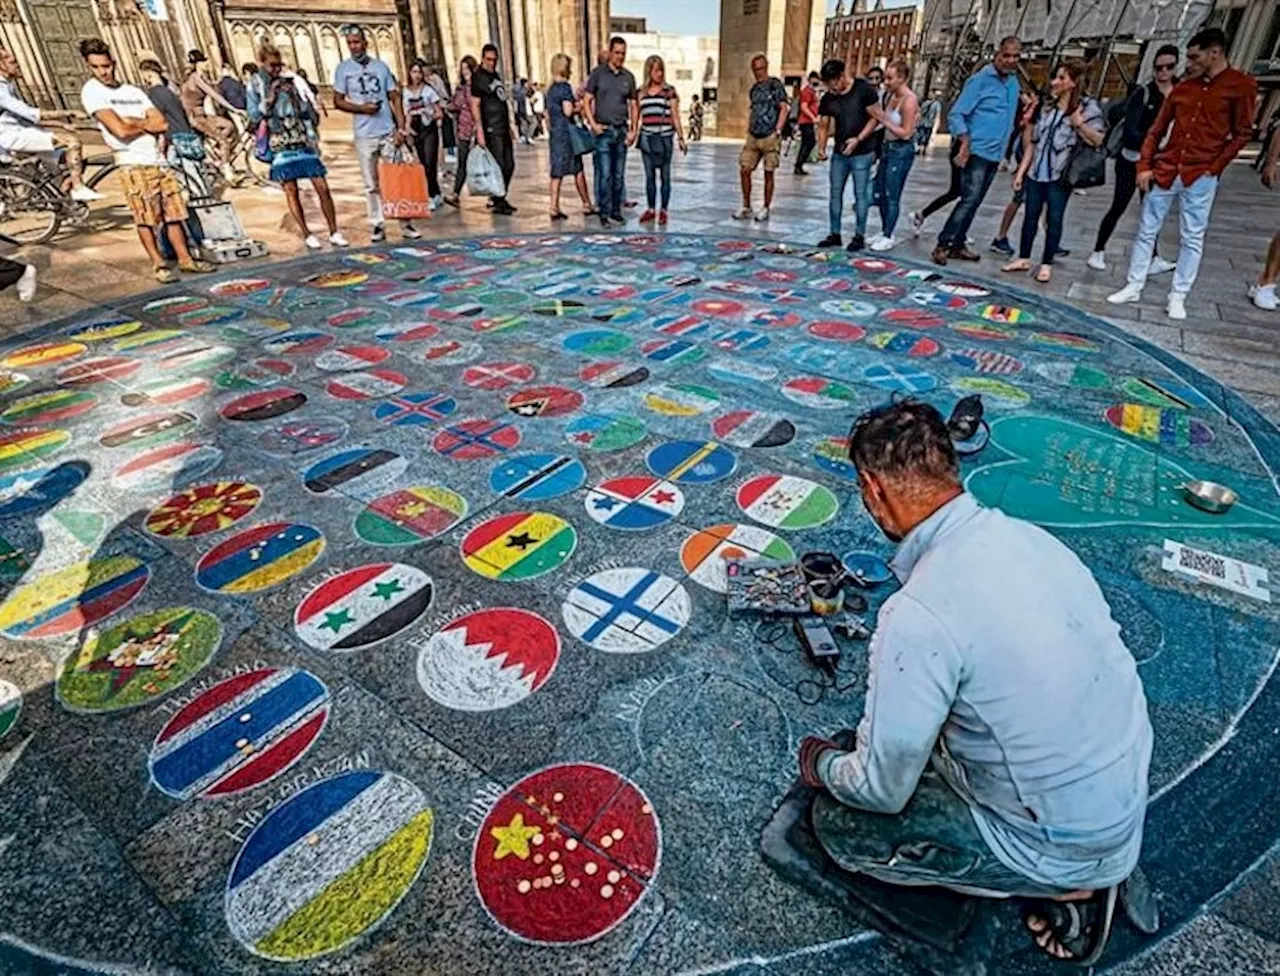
column 812, row 749
column 1144, row 181
column 1269, row 175
column 962, row 154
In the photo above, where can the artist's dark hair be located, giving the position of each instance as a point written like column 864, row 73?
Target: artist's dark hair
column 832, row 70
column 1209, row 37
column 1166, row 49
column 94, row 45
column 487, row 48
column 906, row 439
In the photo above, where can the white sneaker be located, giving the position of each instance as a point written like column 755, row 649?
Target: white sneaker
column 312, row 242
column 762, row 214
column 1177, row 306
column 337, row 240
column 1127, row 294
column 1160, row 266
column 408, row 230
column 882, row 243
column 1264, row 296
column 917, row 223
column 969, row 241
column 27, row 284
column 1098, row 261
column 742, row 213
column 437, row 202
column 378, row 234
column 83, row 194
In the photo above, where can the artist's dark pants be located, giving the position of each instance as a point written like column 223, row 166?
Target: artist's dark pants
column 1051, row 197
column 952, row 192
column 1126, row 186
column 502, row 146
column 10, row 272
column 460, row 175
column 808, row 139
column 975, row 180
column 426, row 140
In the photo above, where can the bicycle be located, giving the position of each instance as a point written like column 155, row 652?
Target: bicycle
column 34, row 202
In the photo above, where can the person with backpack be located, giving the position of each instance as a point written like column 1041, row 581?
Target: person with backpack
column 1124, row 143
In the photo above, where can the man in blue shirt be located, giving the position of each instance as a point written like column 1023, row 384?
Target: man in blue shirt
column 1004, row 744
column 365, row 87
column 980, row 121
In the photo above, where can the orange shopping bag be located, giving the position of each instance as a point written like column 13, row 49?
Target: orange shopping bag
column 403, row 183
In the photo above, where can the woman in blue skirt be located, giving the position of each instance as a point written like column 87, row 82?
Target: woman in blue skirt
column 291, row 137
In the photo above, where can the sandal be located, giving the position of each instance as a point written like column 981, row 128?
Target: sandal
column 559, row 215
column 1074, row 931
column 1045, row 274
column 1017, row 264
column 164, row 274
column 590, row 213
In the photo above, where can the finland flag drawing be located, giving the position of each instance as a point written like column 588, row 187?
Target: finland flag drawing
column 363, row 606
column 328, row 864
column 626, row 611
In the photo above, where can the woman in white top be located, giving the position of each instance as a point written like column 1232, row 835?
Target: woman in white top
column 421, row 117
column 897, row 116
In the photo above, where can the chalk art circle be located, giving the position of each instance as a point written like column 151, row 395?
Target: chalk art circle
column 302, row 342
column 243, row 732
column 139, row 661
column 692, row 462
column 1006, row 314
column 685, row 325
column 740, row 340
column 362, row 607
column 612, row 374
column 411, row 515
column 676, row 351
column 681, row 399
column 605, row 433
column 597, row 342
column 43, row 354
column 415, row 409
column 819, row 393
column 937, row 299
column 67, row 600
column 608, row 845
column 850, row 308
column 446, row 352
column 899, row 379
column 881, row 289
column 104, row 328
column 985, row 331
column 358, row 318
column 488, row 660
column 10, row 706
column 1064, row 340
column 874, row 265
column 742, row 371
column 152, row 341
column 834, row 331
column 263, row 404
column 235, row 287
column 259, row 558
column 634, row 503
column 753, row 428
column 831, row 454
column 368, row 385
column 786, row 501
column 49, row 407
column 538, row 477
column 497, row 375
column 703, row 554
column 1001, row 391
column 475, row 440
column 915, row 318
column 87, row 372
column 203, row 509
column 518, row 545
column 905, row 343
column 295, row 437
column 1076, row 375
column 545, row 401
column 337, row 279
column 251, row 375
column 630, row 610
column 167, row 467
column 987, row 361
column 354, row 472
column 720, row 307
column 360, row 840
column 167, row 392
column 343, row 358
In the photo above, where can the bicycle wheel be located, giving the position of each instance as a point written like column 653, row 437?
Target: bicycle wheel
column 258, row 171
column 28, row 214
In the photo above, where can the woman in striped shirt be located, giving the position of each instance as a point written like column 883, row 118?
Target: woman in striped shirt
column 659, row 122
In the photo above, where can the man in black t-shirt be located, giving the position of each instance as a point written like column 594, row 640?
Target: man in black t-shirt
column 845, row 104
column 493, row 119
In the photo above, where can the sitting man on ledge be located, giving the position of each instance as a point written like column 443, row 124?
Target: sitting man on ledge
column 999, row 665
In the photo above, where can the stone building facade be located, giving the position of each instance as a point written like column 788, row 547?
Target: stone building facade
column 692, row 62
column 871, row 37
column 787, row 32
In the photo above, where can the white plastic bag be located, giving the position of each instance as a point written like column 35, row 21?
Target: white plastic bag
column 484, row 178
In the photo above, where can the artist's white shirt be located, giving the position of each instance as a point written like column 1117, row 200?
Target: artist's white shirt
column 127, row 102
column 999, row 661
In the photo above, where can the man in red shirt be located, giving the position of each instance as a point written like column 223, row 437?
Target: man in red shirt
column 807, row 121
column 1206, row 120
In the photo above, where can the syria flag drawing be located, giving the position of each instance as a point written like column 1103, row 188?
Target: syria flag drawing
column 239, row 734
column 363, row 606
column 328, row 865
column 488, row 660
column 566, row 854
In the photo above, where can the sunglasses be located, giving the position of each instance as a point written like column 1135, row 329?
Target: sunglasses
column 1166, row 67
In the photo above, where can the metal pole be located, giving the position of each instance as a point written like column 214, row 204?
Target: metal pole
column 1111, row 39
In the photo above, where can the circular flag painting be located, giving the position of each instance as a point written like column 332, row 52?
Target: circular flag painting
column 538, row 477
column 149, row 429
column 410, row 515
column 166, row 392
column 49, row 407
column 355, row 471
column 87, row 372
column 488, row 660
column 569, row 869
column 363, row 606
column 634, row 503
column 69, row 599
column 787, row 502
column 44, row 354
column 519, row 545
column 692, row 462
column 351, row 357
column 10, row 706
column 626, row 611
column 704, row 553
column 474, row 440
column 831, row 454
column 360, row 840
column 299, row 436
column 263, row 404
column 368, row 385
column 415, row 409
column 819, row 393
column 139, row 660
column 899, row 379
column 497, row 375
column 681, row 399
column 544, row 401
column 259, row 558
column 753, row 428
column 241, row 733
column 162, row 468
column 21, row 446
column 204, row 509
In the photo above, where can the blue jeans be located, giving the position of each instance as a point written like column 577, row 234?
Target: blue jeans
column 842, row 167
column 975, row 180
column 611, row 165
column 1052, row 196
column 891, row 177
column 1194, row 203
column 656, row 152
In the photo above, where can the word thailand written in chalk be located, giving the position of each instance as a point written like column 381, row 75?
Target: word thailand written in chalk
column 1221, row 571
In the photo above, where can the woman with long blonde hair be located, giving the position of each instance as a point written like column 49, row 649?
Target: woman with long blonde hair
column 561, row 107
column 659, row 124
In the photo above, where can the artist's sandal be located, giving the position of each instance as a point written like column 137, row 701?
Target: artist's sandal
column 1074, row 931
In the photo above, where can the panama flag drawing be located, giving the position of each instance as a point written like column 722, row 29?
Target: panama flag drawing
column 328, row 864
column 634, row 503
column 787, row 502
column 363, row 606
column 488, row 660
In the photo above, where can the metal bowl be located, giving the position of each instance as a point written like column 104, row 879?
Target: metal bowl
column 1209, row 496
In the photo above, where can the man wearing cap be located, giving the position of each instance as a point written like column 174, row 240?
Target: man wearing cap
column 365, row 87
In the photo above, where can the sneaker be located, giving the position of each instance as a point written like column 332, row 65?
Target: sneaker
column 1002, row 246
column 856, row 243
column 647, row 216
column 27, row 285
column 1264, row 296
column 504, row 209
column 831, row 240
column 662, row 218
column 198, row 267
column 605, row 222
column 1160, row 266
column 1098, row 261
column 969, row 241
column 338, row 240
column 762, row 214
column 1126, row 295
column 917, row 223
column 312, row 242
column 883, row 243
column 742, row 213
column 965, row 254
column 437, row 202
column 379, row 234
column 408, row 230
column 1062, row 252
column 84, row 194
column 1176, row 308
